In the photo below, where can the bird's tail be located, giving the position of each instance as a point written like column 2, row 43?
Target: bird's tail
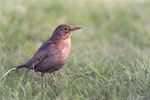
column 21, row 66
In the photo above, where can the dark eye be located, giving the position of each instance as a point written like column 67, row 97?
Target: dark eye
column 66, row 28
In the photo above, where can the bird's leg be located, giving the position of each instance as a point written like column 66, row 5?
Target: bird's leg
column 43, row 81
column 53, row 78
column 27, row 71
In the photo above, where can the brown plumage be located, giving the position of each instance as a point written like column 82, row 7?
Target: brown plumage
column 54, row 53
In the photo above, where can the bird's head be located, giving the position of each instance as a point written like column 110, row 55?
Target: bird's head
column 63, row 31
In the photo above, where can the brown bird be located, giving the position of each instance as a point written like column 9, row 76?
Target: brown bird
column 54, row 53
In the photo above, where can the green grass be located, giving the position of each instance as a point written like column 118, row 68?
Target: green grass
column 110, row 58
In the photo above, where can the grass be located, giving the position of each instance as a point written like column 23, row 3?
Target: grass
column 110, row 58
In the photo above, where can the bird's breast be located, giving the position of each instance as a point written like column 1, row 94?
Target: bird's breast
column 64, row 48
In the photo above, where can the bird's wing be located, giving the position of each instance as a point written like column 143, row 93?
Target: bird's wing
column 39, row 56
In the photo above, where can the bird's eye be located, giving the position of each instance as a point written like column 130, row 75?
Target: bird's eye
column 66, row 28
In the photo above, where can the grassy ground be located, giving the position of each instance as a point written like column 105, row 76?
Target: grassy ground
column 110, row 58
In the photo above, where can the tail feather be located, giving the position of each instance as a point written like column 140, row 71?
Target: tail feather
column 21, row 66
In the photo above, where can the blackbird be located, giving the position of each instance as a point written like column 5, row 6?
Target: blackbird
column 54, row 53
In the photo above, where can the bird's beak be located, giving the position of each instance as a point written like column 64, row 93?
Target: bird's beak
column 75, row 28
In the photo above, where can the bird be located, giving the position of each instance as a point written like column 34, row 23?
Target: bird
column 54, row 53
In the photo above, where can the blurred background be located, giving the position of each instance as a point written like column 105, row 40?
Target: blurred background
column 110, row 58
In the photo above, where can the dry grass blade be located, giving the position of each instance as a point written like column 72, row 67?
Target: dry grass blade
column 8, row 73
